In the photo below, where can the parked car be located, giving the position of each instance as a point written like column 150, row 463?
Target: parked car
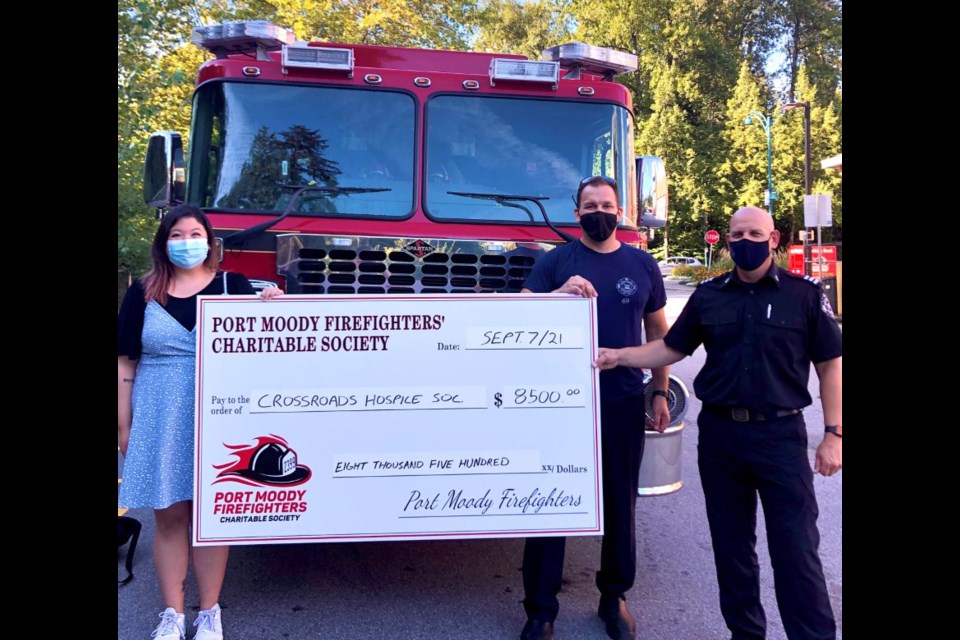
column 667, row 266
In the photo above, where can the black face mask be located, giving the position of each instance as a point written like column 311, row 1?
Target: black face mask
column 749, row 254
column 599, row 225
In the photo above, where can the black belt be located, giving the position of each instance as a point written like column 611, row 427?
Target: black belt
column 739, row 414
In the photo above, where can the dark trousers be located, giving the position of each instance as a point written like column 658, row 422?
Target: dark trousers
column 621, row 445
column 739, row 461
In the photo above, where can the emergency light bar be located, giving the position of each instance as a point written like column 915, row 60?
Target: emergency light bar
column 256, row 36
column 595, row 60
column 524, row 71
column 302, row 56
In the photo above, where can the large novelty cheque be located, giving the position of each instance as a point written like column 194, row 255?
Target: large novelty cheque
column 325, row 419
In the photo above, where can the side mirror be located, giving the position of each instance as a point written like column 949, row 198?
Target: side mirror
column 164, row 173
column 652, row 190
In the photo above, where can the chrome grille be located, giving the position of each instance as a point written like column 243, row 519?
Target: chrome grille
column 365, row 265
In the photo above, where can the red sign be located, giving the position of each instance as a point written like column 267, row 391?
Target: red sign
column 712, row 237
column 795, row 259
column 825, row 267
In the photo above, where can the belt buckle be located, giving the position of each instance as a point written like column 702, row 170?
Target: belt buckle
column 740, row 415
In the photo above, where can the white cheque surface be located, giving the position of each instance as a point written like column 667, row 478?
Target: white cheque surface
column 324, row 419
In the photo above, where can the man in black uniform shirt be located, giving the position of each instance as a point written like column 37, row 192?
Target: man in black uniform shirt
column 761, row 327
column 630, row 294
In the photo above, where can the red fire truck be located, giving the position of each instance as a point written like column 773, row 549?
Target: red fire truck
column 333, row 168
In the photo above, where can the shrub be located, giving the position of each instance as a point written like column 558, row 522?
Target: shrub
column 702, row 273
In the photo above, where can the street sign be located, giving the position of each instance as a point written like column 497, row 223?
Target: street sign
column 712, row 237
column 817, row 210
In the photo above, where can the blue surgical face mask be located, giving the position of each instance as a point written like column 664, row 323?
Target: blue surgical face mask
column 188, row 253
column 749, row 255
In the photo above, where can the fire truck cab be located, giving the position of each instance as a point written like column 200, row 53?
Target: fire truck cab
column 336, row 168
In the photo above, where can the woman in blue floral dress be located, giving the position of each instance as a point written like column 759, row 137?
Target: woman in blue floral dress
column 156, row 355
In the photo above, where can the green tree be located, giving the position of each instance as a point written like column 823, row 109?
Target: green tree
column 402, row 23
column 742, row 172
column 814, row 40
column 789, row 155
column 514, row 26
column 689, row 55
column 702, row 67
column 154, row 83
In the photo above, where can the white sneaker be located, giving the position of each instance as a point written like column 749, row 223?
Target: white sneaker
column 170, row 627
column 208, row 624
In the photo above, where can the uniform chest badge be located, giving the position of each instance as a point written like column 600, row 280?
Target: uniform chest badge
column 626, row 286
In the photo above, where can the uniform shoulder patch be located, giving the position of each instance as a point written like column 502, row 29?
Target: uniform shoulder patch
column 814, row 281
column 825, row 306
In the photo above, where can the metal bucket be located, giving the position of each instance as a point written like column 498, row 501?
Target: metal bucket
column 660, row 467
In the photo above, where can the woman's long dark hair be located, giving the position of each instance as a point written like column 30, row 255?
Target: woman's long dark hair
column 157, row 280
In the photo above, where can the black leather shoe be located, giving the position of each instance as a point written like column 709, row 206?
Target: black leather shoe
column 617, row 619
column 537, row 630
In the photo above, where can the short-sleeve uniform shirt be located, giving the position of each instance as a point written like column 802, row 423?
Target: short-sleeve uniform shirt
column 760, row 339
column 629, row 286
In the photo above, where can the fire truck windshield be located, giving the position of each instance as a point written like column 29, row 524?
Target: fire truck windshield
column 517, row 146
column 252, row 146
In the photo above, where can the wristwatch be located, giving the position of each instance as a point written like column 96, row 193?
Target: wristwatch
column 835, row 430
column 658, row 392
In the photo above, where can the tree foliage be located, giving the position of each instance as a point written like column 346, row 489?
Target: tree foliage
column 704, row 65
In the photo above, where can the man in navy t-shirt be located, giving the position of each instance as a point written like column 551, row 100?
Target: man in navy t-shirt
column 630, row 295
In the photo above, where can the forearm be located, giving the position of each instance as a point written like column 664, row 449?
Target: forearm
column 660, row 375
column 831, row 390
column 655, row 328
column 126, row 372
column 655, row 355
column 660, row 378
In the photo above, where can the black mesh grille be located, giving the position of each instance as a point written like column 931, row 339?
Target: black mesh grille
column 433, row 281
column 310, row 278
column 435, row 269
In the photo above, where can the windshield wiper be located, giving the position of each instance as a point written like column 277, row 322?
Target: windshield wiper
column 238, row 238
column 510, row 201
column 337, row 191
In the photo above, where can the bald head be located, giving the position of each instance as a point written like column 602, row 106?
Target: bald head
column 750, row 218
column 752, row 223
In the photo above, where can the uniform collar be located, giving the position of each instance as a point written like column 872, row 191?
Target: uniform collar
column 772, row 275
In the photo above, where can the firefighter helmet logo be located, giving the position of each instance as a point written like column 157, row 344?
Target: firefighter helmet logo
column 270, row 462
column 419, row 248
